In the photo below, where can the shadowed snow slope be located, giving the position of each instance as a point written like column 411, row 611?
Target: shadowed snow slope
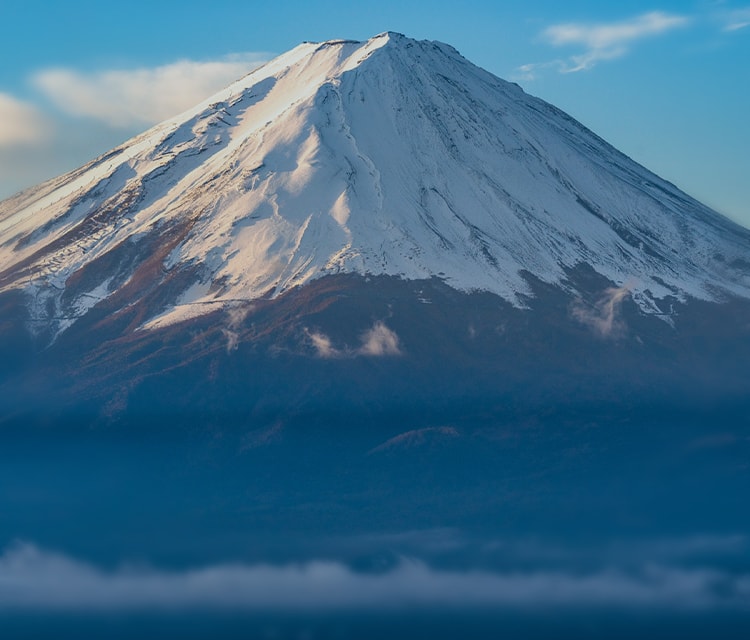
column 391, row 156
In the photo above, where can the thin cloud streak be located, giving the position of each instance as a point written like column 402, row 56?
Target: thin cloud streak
column 37, row 580
column 235, row 318
column 607, row 41
column 602, row 41
column 738, row 20
column 614, row 34
column 124, row 98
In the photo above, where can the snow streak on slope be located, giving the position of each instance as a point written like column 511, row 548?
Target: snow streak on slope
column 390, row 156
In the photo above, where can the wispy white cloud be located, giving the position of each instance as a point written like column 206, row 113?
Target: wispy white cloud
column 737, row 19
column 377, row 341
column 614, row 34
column 37, row 142
column 530, row 71
column 324, row 346
column 143, row 96
column 235, row 317
column 603, row 317
column 380, row 341
column 35, row 580
column 606, row 41
column 21, row 123
column 601, row 41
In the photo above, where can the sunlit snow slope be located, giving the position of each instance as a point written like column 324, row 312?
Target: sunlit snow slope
column 390, row 156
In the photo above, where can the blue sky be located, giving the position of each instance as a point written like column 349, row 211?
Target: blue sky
column 666, row 82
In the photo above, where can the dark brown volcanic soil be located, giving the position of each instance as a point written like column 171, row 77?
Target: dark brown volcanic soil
column 455, row 350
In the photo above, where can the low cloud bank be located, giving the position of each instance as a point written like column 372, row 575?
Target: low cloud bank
column 34, row 579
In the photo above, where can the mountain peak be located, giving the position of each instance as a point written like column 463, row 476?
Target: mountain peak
column 391, row 156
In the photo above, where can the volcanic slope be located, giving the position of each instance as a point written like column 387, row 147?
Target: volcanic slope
column 388, row 157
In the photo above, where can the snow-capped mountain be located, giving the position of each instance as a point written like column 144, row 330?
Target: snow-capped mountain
column 372, row 288
column 387, row 157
